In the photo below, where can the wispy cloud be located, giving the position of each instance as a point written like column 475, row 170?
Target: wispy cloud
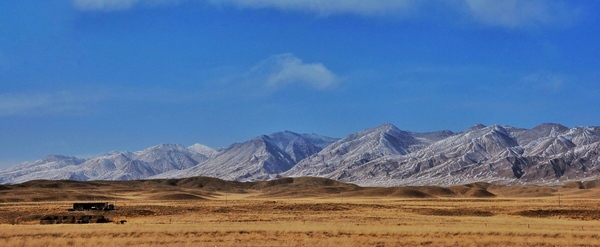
column 321, row 7
column 273, row 74
column 84, row 101
column 112, row 5
column 104, row 4
column 359, row 7
column 40, row 103
column 544, row 81
column 520, row 13
column 502, row 13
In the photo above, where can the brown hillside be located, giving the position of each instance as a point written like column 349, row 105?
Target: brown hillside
column 176, row 197
column 583, row 185
column 523, row 191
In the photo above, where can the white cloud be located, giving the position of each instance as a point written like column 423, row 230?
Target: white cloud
column 326, row 7
column 519, row 13
column 283, row 70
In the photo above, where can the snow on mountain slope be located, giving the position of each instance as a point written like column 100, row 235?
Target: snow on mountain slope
column 462, row 157
column 167, row 157
column 543, row 131
column 490, row 154
column 431, row 137
column 480, row 143
column 50, row 167
column 548, row 154
column 258, row 158
column 357, row 149
column 204, row 150
column 261, row 158
column 295, row 145
column 318, row 140
column 141, row 164
column 111, row 166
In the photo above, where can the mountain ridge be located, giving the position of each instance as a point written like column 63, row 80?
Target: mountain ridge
column 548, row 154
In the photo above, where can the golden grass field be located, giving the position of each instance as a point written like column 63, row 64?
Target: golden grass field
column 302, row 212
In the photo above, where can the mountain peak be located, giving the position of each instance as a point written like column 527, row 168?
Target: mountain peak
column 203, row 150
column 56, row 157
column 476, row 127
column 554, row 126
column 166, row 146
column 386, row 126
column 284, row 134
column 199, row 146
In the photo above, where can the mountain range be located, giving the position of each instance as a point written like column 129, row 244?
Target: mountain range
column 548, row 154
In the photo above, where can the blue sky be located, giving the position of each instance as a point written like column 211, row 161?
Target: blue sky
column 84, row 77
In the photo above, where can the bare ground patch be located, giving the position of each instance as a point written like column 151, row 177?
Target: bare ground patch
column 455, row 212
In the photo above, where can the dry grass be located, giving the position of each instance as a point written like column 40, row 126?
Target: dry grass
column 192, row 217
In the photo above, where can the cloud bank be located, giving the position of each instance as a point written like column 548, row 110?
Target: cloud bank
column 502, row 13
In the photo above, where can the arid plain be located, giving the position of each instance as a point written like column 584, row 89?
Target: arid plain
column 302, row 212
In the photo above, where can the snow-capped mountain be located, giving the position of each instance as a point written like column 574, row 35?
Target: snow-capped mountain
column 357, row 149
column 141, row 164
column 41, row 169
column 448, row 161
column 261, row 158
column 111, row 166
column 546, row 154
column 383, row 156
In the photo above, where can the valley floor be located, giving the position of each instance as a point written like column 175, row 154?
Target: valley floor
column 249, row 219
